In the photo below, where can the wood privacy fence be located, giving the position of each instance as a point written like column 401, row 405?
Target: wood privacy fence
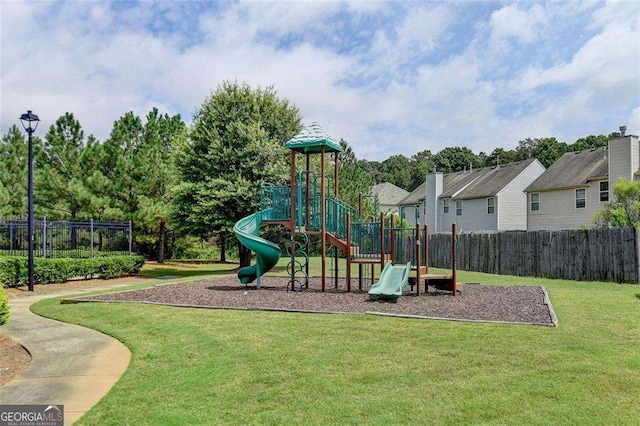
column 577, row 254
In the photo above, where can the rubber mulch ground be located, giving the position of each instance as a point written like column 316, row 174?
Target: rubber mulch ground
column 517, row 304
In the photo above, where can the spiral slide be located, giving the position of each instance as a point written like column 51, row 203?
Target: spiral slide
column 247, row 230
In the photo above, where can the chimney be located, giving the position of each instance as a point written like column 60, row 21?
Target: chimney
column 623, row 130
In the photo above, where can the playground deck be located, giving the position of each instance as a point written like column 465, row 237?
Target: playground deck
column 371, row 258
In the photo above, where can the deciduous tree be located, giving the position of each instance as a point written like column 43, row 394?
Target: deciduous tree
column 455, row 159
column 236, row 144
column 624, row 210
column 421, row 165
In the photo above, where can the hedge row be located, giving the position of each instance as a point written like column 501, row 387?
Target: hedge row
column 14, row 270
column 4, row 307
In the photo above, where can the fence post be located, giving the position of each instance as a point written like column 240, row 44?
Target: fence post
column 130, row 236
column 91, row 237
column 10, row 238
column 44, row 236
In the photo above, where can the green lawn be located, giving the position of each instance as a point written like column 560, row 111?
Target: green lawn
column 197, row 366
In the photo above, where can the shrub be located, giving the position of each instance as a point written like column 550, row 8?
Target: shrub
column 193, row 248
column 14, row 270
column 4, row 307
column 117, row 266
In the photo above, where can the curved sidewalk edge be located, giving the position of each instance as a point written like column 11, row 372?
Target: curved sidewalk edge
column 71, row 365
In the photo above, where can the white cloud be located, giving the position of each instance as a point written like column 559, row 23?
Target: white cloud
column 624, row 13
column 412, row 91
column 633, row 126
column 422, row 30
column 605, row 60
column 511, row 23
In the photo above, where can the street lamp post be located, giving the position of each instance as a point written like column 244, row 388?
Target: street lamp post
column 27, row 122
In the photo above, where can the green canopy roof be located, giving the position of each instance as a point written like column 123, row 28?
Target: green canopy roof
column 311, row 139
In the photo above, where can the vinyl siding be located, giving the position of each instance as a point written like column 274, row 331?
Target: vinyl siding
column 558, row 209
column 512, row 205
column 433, row 189
column 445, row 220
column 410, row 214
column 421, row 215
column 475, row 217
column 624, row 158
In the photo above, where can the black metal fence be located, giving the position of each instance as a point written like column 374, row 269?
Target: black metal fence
column 64, row 238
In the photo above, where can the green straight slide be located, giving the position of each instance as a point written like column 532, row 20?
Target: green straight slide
column 267, row 253
column 393, row 280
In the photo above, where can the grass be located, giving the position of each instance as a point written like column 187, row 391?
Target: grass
column 195, row 366
column 186, row 270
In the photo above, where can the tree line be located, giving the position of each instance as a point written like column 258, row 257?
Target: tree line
column 198, row 180
column 163, row 176
column 409, row 173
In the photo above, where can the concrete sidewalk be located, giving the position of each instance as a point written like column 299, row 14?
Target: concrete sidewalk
column 71, row 365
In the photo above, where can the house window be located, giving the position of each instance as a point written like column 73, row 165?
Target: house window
column 458, row 208
column 581, row 198
column 534, row 199
column 445, row 206
column 604, row 191
column 491, row 205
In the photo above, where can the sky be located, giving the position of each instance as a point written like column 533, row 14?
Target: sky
column 388, row 77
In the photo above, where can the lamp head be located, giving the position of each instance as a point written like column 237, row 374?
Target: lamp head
column 27, row 120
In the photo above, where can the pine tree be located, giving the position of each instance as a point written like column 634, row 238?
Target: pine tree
column 137, row 176
column 13, row 173
column 161, row 134
column 61, row 171
column 353, row 179
column 120, row 166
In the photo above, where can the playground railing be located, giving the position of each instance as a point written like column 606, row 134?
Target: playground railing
column 404, row 242
column 366, row 237
column 337, row 216
column 277, row 198
column 311, row 219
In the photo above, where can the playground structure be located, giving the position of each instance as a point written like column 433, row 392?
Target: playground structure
column 305, row 209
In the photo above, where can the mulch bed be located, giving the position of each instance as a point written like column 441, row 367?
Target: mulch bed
column 14, row 358
column 513, row 304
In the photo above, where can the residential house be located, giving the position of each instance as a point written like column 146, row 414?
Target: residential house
column 484, row 199
column 577, row 185
column 389, row 196
column 412, row 206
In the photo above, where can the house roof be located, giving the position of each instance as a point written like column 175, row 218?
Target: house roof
column 491, row 180
column 454, row 182
column 416, row 196
column 388, row 193
column 476, row 183
column 573, row 169
column 312, row 139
